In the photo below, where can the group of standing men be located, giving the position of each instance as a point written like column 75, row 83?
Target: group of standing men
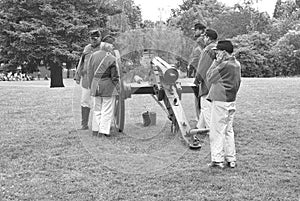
column 216, row 72
column 218, row 75
column 98, row 77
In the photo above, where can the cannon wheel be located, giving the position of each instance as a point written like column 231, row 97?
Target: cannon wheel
column 119, row 113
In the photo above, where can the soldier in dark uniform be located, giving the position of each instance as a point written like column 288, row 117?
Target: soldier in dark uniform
column 199, row 29
column 104, row 82
column 207, row 57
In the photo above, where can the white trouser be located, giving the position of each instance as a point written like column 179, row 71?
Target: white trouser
column 103, row 111
column 85, row 96
column 221, row 133
column 205, row 114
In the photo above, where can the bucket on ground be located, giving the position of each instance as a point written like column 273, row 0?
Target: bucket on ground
column 149, row 118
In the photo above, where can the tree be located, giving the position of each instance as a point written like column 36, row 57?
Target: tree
column 17, row 32
column 252, row 50
column 148, row 24
column 277, row 10
column 284, row 9
column 286, row 54
column 192, row 11
column 50, row 31
column 241, row 19
column 129, row 18
column 287, row 18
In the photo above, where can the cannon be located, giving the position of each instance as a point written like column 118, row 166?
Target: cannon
column 165, row 87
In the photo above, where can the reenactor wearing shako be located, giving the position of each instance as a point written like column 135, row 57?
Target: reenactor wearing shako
column 81, row 77
column 104, row 84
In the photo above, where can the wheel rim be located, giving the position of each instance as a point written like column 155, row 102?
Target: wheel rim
column 119, row 112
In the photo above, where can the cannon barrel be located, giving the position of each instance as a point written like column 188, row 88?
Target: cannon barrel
column 169, row 74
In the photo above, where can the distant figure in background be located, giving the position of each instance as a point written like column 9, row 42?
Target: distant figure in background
column 39, row 75
column 82, row 79
column 207, row 57
column 46, row 77
column 224, row 76
column 103, row 79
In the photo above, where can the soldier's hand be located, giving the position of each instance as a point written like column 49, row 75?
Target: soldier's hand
column 117, row 86
column 196, row 81
column 77, row 78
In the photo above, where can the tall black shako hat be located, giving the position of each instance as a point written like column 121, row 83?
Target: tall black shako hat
column 224, row 45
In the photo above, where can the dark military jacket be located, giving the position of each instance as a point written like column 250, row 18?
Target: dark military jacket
column 103, row 75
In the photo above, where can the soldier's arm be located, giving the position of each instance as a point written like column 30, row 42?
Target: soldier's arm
column 202, row 62
column 90, row 70
column 79, row 69
column 195, row 58
column 114, row 73
column 215, row 72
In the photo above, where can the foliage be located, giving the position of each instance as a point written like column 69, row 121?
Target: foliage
column 260, row 57
column 156, row 42
column 148, row 24
column 252, row 50
column 129, row 18
column 286, row 54
column 286, row 17
column 192, row 11
column 51, row 30
column 284, row 9
column 241, row 20
column 254, row 33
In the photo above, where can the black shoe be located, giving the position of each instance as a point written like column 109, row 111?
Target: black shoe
column 219, row 165
column 95, row 133
column 106, row 135
column 196, row 143
column 231, row 164
column 84, row 128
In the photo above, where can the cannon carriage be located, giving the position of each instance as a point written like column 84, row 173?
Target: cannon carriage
column 166, row 88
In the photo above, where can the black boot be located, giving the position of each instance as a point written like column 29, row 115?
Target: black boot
column 85, row 113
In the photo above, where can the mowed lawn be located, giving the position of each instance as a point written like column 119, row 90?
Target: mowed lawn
column 43, row 157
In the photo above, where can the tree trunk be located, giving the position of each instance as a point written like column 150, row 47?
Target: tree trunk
column 56, row 75
column 68, row 66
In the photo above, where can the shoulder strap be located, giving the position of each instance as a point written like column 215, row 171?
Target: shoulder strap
column 107, row 54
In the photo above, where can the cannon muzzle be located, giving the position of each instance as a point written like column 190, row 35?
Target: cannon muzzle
column 169, row 74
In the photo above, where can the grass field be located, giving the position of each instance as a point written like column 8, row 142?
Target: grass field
column 42, row 157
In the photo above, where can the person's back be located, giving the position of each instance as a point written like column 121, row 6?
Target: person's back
column 104, row 81
column 102, row 68
column 207, row 58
